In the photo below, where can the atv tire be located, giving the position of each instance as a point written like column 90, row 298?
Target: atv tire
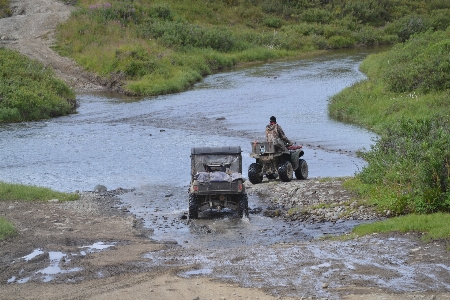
column 285, row 171
column 242, row 206
column 302, row 170
column 193, row 206
column 255, row 173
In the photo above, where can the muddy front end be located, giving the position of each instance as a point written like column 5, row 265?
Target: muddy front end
column 216, row 180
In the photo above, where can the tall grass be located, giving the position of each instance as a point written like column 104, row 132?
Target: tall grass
column 30, row 91
column 165, row 46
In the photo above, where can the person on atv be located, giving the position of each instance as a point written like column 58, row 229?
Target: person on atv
column 274, row 131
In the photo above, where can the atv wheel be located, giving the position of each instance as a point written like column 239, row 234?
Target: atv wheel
column 242, row 206
column 302, row 170
column 254, row 173
column 193, row 207
column 285, row 171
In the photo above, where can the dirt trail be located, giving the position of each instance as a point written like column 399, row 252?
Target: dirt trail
column 31, row 32
column 121, row 272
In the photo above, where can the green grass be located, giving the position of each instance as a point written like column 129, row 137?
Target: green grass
column 432, row 226
column 29, row 91
column 6, row 229
column 10, row 192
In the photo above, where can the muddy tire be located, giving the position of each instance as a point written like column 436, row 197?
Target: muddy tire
column 285, row 171
column 193, row 207
column 255, row 173
column 302, row 170
column 242, row 206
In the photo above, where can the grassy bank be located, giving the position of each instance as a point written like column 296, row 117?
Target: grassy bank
column 29, row 91
column 406, row 101
column 165, row 46
column 19, row 192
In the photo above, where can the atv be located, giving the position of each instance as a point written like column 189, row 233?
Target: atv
column 216, row 180
column 276, row 159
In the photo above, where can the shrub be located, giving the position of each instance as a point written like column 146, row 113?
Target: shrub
column 272, row 22
column 413, row 158
column 422, row 63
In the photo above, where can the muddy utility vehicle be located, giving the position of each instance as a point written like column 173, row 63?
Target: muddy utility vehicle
column 276, row 159
column 216, row 180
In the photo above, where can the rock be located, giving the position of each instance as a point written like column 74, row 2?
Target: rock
column 53, row 200
column 100, row 188
column 324, row 285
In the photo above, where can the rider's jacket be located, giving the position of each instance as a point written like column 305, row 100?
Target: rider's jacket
column 274, row 131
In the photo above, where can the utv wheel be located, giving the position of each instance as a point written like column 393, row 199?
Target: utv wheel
column 193, row 207
column 302, row 170
column 285, row 171
column 242, row 206
column 255, row 173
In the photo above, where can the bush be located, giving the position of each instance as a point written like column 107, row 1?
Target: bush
column 413, row 159
column 421, row 64
column 272, row 22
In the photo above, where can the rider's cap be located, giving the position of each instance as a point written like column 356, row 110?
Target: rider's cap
column 273, row 119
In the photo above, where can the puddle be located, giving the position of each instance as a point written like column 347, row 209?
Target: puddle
column 56, row 260
column 196, row 272
column 97, row 246
column 57, row 265
column 33, row 254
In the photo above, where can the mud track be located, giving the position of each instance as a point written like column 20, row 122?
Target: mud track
column 123, row 270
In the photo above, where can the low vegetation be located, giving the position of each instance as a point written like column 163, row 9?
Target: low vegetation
column 165, row 46
column 30, row 91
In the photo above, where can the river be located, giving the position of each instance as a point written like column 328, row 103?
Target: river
column 130, row 142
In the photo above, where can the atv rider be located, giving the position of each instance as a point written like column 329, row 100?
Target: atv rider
column 274, row 131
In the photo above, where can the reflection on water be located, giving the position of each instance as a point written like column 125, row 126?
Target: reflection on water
column 128, row 142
